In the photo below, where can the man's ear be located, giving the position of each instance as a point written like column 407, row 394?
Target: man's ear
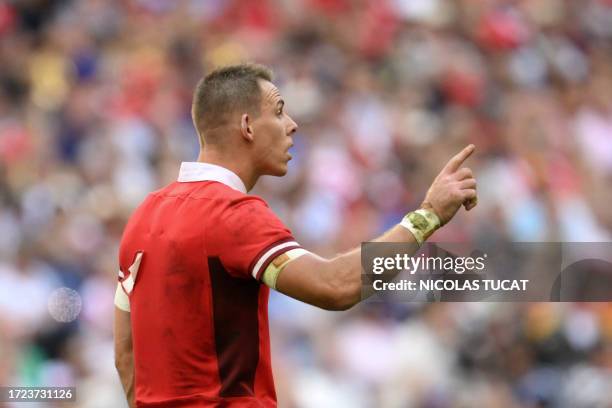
column 245, row 127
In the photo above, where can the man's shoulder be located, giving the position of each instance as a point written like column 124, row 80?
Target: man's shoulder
column 207, row 189
column 207, row 199
column 211, row 198
column 222, row 194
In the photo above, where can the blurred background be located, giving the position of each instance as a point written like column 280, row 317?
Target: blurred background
column 95, row 113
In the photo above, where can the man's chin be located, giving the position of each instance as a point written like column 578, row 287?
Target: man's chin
column 278, row 171
column 281, row 172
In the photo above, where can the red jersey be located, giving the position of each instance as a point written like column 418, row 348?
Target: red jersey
column 199, row 313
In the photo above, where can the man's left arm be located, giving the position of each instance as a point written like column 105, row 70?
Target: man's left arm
column 124, row 357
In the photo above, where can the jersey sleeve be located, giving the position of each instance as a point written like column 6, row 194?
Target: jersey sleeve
column 126, row 280
column 251, row 237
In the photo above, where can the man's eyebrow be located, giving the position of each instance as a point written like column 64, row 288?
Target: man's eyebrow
column 281, row 102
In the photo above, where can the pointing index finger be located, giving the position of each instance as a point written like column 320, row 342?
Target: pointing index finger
column 457, row 160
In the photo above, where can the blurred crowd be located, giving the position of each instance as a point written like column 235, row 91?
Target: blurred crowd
column 95, row 113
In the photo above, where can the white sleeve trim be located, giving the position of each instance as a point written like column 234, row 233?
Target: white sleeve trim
column 265, row 257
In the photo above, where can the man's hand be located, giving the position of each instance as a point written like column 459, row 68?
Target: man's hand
column 453, row 187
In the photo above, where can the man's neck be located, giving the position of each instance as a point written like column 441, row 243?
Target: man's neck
column 241, row 169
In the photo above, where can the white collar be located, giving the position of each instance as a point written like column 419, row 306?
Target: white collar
column 198, row 171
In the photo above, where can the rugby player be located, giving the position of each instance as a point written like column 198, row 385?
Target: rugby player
column 198, row 257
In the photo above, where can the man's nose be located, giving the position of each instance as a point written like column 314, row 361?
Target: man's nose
column 293, row 127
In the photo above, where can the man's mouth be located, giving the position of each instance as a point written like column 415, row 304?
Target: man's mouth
column 289, row 154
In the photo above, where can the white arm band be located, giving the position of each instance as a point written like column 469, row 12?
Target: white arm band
column 121, row 299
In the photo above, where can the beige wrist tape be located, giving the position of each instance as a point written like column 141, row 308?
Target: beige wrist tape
column 421, row 223
column 275, row 267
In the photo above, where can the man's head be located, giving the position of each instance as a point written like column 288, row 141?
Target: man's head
column 237, row 110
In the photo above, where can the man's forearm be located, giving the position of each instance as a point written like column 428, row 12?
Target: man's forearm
column 335, row 284
column 346, row 269
column 125, row 368
column 124, row 356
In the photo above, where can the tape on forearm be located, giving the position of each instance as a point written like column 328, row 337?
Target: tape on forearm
column 122, row 301
column 421, row 223
column 271, row 273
